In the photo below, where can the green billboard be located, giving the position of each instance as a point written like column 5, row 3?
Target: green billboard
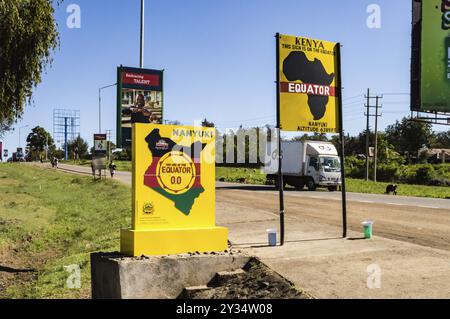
column 431, row 56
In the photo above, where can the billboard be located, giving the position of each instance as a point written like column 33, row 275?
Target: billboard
column 139, row 100
column 173, row 191
column 307, row 84
column 430, row 66
column 100, row 145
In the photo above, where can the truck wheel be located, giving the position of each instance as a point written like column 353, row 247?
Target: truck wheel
column 311, row 185
column 299, row 186
column 332, row 188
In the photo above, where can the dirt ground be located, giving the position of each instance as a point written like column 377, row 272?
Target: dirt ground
column 19, row 269
column 410, row 246
column 257, row 282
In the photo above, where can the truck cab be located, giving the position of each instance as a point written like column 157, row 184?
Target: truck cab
column 324, row 170
column 323, row 165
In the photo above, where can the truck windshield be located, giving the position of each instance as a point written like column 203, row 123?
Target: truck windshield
column 330, row 164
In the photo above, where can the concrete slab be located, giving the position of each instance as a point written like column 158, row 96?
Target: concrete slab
column 114, row 276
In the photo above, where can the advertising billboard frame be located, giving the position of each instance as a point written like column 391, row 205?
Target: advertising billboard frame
column 104, row 149
column 148, row 88
column 419, row 78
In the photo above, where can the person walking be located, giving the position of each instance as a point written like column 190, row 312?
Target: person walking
column 112, row 169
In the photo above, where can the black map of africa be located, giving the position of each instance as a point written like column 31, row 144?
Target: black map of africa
column 297, row 67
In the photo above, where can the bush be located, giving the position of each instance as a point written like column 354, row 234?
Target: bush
column 425, row 174
column 355, row 167
column 439, row 182
column 388, row 173
column 123, row 155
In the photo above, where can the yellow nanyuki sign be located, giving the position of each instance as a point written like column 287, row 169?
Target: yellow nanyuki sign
column 308, row 92
column 173, row 192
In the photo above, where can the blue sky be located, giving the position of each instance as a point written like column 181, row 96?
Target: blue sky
column 219, row 58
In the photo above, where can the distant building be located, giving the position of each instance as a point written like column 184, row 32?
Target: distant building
column 435, row 155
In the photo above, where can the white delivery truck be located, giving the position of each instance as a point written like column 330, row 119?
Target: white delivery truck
column 311, row 163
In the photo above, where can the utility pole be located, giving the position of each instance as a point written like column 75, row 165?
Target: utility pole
column 100, row 105
column 367, row 134
column 141, row 60
column 377, row 106
column 368, row 115
column 65, row 139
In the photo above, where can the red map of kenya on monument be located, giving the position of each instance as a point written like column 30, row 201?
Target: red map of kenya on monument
column 141, row 79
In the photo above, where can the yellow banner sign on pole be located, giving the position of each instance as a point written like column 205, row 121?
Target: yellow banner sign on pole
column 308, row 92
column 173, row 192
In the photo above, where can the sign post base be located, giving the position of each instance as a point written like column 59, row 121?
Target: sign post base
column 173, row 241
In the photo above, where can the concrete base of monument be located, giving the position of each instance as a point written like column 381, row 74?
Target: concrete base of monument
column 173, row 241
column 114, row 276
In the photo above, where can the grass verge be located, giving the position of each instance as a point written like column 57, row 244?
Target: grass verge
column 255, row 176
column 50, row 220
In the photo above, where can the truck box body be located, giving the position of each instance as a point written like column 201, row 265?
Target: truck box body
column 293, row 158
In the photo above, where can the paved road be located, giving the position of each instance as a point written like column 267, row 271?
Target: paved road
column 422, row 202
column 352, row 197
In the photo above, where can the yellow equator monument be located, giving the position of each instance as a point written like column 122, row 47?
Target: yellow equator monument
column 173, row 192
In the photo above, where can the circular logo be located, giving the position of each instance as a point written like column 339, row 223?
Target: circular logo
column 176, row 172
column 148, row 208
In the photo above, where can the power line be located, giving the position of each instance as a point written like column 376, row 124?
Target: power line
column 397, row 94
column 354, row 102
column 352, row 97
column 354, row 107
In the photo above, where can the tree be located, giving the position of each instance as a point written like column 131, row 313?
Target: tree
column 441, row 140
column 206, row 123
column 28, row 36
column 321, row 137
column 5, row 127
column 38, row 141
column 174, row 122
column 78, row 148
column 386, row 152
column 408, row 136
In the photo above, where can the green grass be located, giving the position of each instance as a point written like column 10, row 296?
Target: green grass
column 52, row 220
column 236, row 175
column 361, row 186
column 255, row 176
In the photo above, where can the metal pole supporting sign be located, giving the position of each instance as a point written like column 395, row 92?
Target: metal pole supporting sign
column 341, row 137
column 280, row 152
